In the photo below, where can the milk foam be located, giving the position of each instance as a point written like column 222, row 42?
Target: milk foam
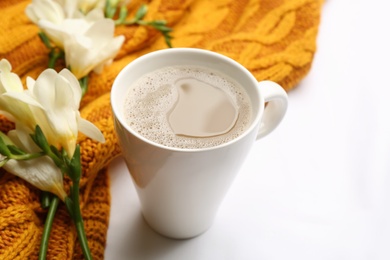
column 150, row 99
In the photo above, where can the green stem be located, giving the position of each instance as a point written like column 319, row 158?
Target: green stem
column 84, row 85
column 78, row 220
column 57, row 161
column 45, row 199
column 27, row 156
column 69, row 206
column 45, row 40
column 54, row 55
column 47, row 228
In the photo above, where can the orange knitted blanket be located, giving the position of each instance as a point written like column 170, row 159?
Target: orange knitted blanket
column 274, row 39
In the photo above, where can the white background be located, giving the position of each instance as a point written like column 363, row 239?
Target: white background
column 316, row 188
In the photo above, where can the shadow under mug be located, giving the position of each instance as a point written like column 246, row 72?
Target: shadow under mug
column 180, row 190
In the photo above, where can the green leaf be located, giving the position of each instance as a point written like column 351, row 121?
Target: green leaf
column 15, row 150
column 55, row 151
column 84, row 85
column 158, row 22
column 6, row 139
column 122, row 14
column 168, row 40
column 40, row 139
column 162, row 28
column 110, row 11
column 75, row 166
column 141, row 12
column 4, row 150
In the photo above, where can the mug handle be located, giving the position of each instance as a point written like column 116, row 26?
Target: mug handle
column 276, row 108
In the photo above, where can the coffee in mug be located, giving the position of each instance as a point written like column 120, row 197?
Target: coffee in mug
column 188, row 107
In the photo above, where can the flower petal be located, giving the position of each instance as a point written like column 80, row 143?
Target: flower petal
column 45, row 10
column 40, row 172
column 95, row 14
column 22, row 98
column 20, row 136
column 101, row 32
column 30, row 82
column 43, row 90
column 5, row 65
column 63, row 94
column 74, row 84
column 90, row 130
column 9, row 81
column 19, row 111
column 84, row 53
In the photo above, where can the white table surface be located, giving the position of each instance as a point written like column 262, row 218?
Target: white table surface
column 316, row 188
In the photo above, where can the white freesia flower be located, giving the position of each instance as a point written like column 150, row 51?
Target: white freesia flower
column 94, row 49
column 88, row 43
column 87, row 40
column 15, row 110
column 56, row 11
column 40, row 172
column 45, row 10
column 59, row 32
column 52, row 102
column 58, row 115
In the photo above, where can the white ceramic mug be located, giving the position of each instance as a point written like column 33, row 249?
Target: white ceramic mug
column 180, row 190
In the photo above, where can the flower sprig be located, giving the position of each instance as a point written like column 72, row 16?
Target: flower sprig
column 70, row 167
column 43, row 148
column 17, row 161
column 83, row 32
column 77, row 32
column 159, row 25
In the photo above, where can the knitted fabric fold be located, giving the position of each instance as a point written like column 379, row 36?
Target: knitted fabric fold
column 274, row 39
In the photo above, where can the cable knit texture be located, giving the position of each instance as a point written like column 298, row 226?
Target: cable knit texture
column 274, row 39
